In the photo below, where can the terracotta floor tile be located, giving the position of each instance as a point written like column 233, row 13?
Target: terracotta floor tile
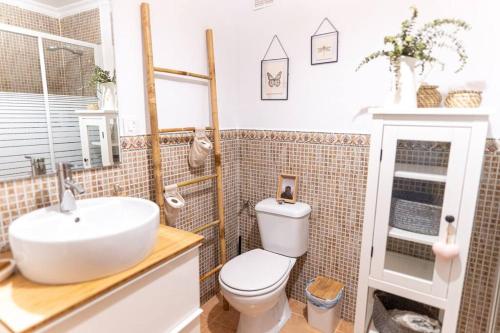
column 215, row 320
column 228, row 319
column 215, row 327
column 345, row 327
column 298, row 324
column 211, row 309
column 298, row 307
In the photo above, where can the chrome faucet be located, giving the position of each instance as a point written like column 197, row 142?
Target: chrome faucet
column 67, row 187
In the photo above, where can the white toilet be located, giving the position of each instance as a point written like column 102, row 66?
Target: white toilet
column 254, row 282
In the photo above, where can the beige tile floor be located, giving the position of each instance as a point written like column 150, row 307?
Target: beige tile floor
column 215, row 320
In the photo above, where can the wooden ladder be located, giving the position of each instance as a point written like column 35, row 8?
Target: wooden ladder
column 155, row 133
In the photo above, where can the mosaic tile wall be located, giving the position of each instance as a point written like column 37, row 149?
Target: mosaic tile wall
column 83, row 26
column 135, row 176
column 201, row 204
column 333, row 172
column 63, row 68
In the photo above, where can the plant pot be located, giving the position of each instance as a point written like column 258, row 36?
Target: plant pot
column 106, row 96
column 428, row 96
column 404, row 88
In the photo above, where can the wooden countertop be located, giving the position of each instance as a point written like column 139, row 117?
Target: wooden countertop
column 25, row 305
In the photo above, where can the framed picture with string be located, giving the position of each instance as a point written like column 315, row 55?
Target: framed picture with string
column 325, row 44
column 274, row 75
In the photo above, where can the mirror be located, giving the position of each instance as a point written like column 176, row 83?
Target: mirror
column 57, row 88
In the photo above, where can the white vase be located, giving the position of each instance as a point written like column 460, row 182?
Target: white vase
column 404, row 87
column 106, row 96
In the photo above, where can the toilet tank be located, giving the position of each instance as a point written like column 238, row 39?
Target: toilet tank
column 284, row 228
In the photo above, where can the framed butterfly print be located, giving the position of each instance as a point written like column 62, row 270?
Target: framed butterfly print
column 274, row 79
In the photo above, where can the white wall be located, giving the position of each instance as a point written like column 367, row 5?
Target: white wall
column 331, row 97
column 328, row 97
column 178, row 30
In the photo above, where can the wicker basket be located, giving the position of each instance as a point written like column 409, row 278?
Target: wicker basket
column 415, row 212
column 463, row 99
column 428, row 96
column 383, row 302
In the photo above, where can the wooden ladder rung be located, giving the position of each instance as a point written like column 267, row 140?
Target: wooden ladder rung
column 182, row 129
column 183, row 73
column 196, row 180
column 205, row 226
column 210, row 273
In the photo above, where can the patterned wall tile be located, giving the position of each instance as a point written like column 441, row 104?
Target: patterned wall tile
column 332, row 170
column 62, row 67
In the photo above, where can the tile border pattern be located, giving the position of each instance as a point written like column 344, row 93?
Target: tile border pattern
column 350, row 139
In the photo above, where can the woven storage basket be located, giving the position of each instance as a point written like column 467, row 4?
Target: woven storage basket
column 463, row 99
column 428, row 96
column 415, row 212
column 383, row 302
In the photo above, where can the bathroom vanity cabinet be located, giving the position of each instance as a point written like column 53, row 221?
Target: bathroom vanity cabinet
column 423, row 178
column 160, row 294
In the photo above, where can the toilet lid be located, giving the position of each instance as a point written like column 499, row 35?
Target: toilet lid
column 255, row 270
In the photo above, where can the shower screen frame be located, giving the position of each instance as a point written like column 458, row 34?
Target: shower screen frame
column 41, row 36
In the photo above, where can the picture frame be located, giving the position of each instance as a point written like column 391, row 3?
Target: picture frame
column 274, row 79
column 324, row 48
column 287, row 188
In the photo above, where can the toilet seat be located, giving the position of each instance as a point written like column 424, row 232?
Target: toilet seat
column 255, row 272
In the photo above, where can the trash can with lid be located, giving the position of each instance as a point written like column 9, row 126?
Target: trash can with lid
column 324, row 305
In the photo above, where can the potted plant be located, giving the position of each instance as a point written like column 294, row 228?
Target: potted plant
column 105, row 87
column 412, row 48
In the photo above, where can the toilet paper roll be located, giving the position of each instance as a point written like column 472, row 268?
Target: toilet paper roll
column 200, row 148
column 173, row 203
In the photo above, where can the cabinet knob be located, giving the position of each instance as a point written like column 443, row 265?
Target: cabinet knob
column 450, row 218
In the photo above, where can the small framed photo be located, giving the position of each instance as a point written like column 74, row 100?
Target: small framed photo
column 287, row 188
column 274, row 79
column 324, row 48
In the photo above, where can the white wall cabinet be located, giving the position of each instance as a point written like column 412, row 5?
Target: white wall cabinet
column 99, row 137
column 424, row 173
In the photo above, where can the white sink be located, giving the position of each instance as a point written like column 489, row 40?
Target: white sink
column 101, row 237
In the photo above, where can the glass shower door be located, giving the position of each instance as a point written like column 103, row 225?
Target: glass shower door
column 24, row 138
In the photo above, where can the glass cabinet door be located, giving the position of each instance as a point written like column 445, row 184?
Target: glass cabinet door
column 420, row 184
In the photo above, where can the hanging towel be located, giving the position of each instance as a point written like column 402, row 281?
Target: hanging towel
column 173, row 203
column 200, row 148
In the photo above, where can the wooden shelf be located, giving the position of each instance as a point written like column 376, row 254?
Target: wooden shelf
column 412, row 236
column 420, row 172
column 408, row 265
column 440, row 111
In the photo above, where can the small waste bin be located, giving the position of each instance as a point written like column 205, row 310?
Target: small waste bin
column 324, row 304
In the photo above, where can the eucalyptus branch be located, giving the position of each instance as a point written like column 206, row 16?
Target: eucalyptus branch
column 422, row 43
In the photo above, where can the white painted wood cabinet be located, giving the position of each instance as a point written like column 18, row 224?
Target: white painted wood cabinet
column 99, row 137
column 424, row 172
column 163, row 299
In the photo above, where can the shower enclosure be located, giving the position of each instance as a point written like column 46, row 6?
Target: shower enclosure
column 43, row 81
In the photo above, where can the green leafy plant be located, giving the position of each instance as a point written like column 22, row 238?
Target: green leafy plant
column 421, row 43
column 101, row 76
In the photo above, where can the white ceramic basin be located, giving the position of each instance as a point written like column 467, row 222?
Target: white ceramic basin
column 101, row 237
